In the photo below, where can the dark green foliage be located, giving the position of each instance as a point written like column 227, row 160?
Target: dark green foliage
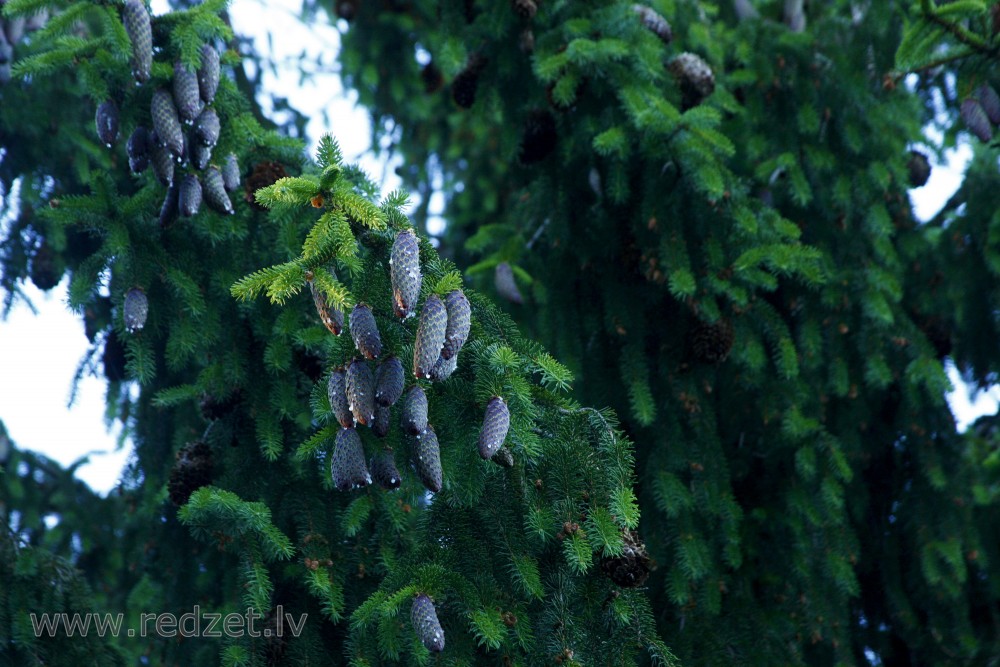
column 207, row 127
column 186, row 98
column 383, row 468
column 427, row 459
column 762, row 182
column 193, row 469
column 459, row 323
column 425, row 622
column 107, row 119
column 413, row 416
column 347, row 463
column 466, row 83
column 215, row 192
column 389, row 379
column 135, row 309
column 135, row 16
column 139, row 147
column 430, row 336
column 189, row 196
column 360, row 384
column 405, row 273
column 364, row 331
column 336, row 389
column 496, row 423
column 539, row 138
column 166, row 124
column 208, row 74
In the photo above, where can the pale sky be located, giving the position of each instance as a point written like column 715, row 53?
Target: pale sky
column 39, row 353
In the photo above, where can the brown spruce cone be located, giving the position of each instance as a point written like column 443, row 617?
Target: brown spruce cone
column 695, row 78
column 264, row 174
column 192, row 470
column 712, row 343
column 631, row 569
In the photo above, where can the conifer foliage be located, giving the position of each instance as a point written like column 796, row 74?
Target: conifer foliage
column 278, row 463
column 703, row 208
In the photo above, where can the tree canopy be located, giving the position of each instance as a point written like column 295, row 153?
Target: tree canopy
column 668, row 388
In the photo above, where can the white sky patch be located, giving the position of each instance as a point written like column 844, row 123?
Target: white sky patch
column 967, row 402
column 39, row 355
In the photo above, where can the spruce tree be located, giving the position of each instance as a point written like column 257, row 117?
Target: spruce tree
column 703, row 208
column 249, row 489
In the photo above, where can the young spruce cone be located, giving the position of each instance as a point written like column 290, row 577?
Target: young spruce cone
column 631, row 569
column 389, row 381
column 215, row 192
column 106, row 120
column 975, row 118
column 171, row 202
column 336, row 391
column 331, row 316
column 140, row 33
column 186, row 96
column 207, row 127
column 189, row 198
column 166, row 124
column 459, row 323
column 990, row 102
column 384, row 471
column 404, row 269
column 414, row 414
column 162, row 160
column 380, row 427
column 347, row 465
column 364, row 331
column 427, row 459
column 443, row 368
column 503, row 280
column 138, row 149
column 361, row 391
column 208, row 74
column 191, row 471
column 426, row 624
column 44, row 272
column 135, row 309
column 496, row 423
column 653, row 22
column 430, row 336
column 231, row 172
